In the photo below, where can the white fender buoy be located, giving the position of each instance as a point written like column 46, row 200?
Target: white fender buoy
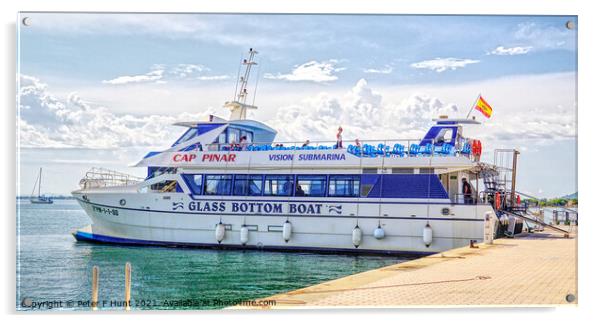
column 379, row 233
column 244, row 235
column 220, row 232
column 356, row 236
column 287, row 231
column 427, row 235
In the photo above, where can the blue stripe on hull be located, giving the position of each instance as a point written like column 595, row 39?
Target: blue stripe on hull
column 98, row 238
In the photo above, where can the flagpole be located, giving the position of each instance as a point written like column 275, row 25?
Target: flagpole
column 472, row 107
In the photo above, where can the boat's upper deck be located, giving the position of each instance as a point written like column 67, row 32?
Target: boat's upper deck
column 247, row 143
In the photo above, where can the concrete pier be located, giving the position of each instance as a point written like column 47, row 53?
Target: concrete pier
column 536, row 269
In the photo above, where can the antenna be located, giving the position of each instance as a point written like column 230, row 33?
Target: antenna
column 244, row 80
column 237, row 78
column 256, row 84
column 238, row 107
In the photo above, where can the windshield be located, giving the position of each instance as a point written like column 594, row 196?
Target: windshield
column 187, row 136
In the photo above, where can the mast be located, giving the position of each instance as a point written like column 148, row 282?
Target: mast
column 40, row 182
column 238, row 107
column 34, row 186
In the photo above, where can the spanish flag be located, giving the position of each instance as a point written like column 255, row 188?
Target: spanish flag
column 484, row 107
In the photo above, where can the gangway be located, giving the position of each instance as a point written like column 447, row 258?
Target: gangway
column 537, row 221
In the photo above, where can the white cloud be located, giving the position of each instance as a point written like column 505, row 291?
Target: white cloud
column 370, row 115
column 518, row 50
column 152, row 76
column 221, row 29
column 160, row 73
column 546, row 37
column 362, row 114
column 545, row 115
column 385, row 70
column 443, row 64
column 186, row 70
column 46, row 121
column 214, row 77
column 312, row 71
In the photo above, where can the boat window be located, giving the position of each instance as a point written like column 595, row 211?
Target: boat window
column 397, row 170
column 444, row 136
column 217, row 184
column 221, row 139
column 310, row 185
column 366, row 188
column 427, row 170
column 248, row 134
column 168, row 186
column 187, row 135
column 247, row 185
column 278, row 185
column 195, row 183
column 233, row 135
column 344, row 186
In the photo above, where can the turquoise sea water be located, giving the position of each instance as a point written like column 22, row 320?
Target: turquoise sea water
column 54, row 271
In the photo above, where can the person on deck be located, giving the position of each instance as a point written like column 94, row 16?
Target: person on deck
column 467, row 191
column 243, row 143
column 306, row 143
column 234, row 145
column 340, row 138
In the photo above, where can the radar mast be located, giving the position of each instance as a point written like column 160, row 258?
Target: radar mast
column 238, row 107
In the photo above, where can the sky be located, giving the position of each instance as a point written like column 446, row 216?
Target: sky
column 101, row 90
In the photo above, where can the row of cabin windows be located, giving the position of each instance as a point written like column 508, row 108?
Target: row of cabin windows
column 228, row 136
column 231, row 135
column 275, row 185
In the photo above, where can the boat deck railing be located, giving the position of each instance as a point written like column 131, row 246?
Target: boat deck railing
column 363, row 148
column 98, row 177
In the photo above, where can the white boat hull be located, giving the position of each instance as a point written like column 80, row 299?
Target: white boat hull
column 177, row 219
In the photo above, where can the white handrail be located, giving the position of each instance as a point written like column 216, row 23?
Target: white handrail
column 101, row 177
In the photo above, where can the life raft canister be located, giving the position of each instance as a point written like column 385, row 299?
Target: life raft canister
column 476, row 147
column 498, row 200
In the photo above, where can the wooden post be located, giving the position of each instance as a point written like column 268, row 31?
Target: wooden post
column 513, row 191
column 94, row 288
column 128, row 284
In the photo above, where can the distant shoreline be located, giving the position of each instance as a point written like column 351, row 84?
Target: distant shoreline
column 54, row 197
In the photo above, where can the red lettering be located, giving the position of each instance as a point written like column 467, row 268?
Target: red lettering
column 217, row 158
column 183, row 157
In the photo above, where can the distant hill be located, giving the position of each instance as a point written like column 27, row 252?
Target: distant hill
column 571, row 196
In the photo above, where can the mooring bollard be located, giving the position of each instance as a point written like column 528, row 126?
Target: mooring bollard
column 94, row 288
column 128, row 284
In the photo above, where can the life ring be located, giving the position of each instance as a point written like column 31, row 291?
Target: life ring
column 498, row 200
column 476, row 147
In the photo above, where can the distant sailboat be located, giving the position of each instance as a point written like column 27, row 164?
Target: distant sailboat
column 40, row 199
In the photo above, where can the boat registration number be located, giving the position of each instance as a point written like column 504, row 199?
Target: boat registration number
column 104, row 210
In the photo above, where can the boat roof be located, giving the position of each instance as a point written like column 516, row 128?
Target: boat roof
column 445, row 120
column 217, row 120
